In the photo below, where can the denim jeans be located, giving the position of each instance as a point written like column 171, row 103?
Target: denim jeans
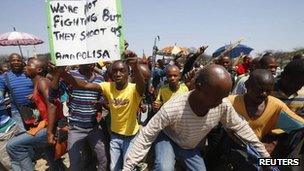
column 119, row 146
column 166, row 151
column 79, row 137
column 20, row 150
column 19, row 123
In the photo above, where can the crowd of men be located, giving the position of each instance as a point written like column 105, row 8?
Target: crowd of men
column 200, row 116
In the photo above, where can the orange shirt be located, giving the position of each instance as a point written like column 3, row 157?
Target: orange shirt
column 276, row 115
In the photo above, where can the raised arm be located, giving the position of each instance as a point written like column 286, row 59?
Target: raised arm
column 191, row 60
column 75, row 82
column 140, row 71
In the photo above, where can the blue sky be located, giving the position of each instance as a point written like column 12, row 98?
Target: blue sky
column 264, row 24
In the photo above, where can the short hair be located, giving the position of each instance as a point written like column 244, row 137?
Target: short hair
column 261, row 74
column 124, row 63
column 294, row 68
column 14, row 54
column 265, row 58
column 172, row 66
column 43, row 64
column 160, row 61
column 3, row 64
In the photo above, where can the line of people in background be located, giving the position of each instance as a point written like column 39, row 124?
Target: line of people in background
column 189, row 117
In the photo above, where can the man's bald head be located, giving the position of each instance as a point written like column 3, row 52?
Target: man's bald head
column 212, row 84
column 213, row 75
column 173, row 68
column 261, row 76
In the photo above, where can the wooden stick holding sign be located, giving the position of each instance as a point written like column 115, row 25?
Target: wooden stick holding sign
column 84, row 31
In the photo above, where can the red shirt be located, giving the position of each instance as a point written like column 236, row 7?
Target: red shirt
column 42, row 108
column 242, row 68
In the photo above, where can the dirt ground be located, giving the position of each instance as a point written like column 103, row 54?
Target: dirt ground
column 41, row 164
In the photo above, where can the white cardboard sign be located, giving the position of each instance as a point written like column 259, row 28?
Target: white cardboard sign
column 84, row 31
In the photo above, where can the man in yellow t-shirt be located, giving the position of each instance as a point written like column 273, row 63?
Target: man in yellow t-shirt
column 174, row 87
column 123, row 105
column 263, row 112
column 124, row 99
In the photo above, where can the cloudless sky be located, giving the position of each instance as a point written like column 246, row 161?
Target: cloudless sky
column 264, row 24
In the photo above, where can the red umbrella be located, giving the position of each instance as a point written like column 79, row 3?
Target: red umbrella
column 18, row 38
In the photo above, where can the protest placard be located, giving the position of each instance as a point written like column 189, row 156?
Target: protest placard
column 84, row 31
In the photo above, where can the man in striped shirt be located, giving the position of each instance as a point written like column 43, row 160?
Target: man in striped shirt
column 186, row 119
column 18, row 86
column 84, row 129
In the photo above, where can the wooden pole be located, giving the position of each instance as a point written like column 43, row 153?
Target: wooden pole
column 19, row 46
